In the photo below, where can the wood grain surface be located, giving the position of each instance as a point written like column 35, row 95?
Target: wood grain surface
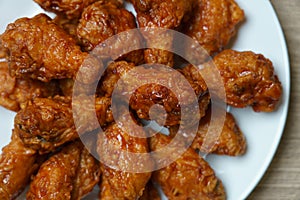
column 282, row 180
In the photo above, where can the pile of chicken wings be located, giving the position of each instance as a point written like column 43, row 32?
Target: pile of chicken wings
column 41, row 58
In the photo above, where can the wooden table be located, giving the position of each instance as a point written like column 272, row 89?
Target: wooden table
column 282, row 180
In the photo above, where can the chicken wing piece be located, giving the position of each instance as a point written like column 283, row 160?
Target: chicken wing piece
column 69, row 25
column 17, row 164
column 102, row 21
column 15, row 92
column 72, row 9
column 161, row 14
column 68, row 174
column 189, row 177
column 40, row 49
column 193, row 76
column 105, row 189
column 113, row 147
column 88, row 175
column 45, row 124
column 111, row 76
column 249, row 80
column 231, row 140
column 213, row 23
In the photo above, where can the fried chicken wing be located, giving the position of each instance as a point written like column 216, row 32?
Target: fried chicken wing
column 68, row 174
column 72, row 9
column 189, row 177
column 111, row 76
column 213, row 23
column 15, row 92
column 113, row 148
column 45, row 124
column 249, row 80
column 69, row 25
column 17, row 164
column 40, row 49
column 161, row 14
column 231, row 140
column 101, row 21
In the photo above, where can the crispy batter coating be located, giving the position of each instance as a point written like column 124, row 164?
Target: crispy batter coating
column 101, row 21
column 88, row 175
column 15, row 92
column 249, row 80
column 193, row 76
column 40, row 49
column 17, row 164
column 45, row 124
column 231, row 140
column 72, row 9
column 145, row 96
column 122, row 184
column 105, row 188
column 189, row 177
column 78, row 168
column 213, row 23
column 112, row 74
column 163, row 14
column 69, row 25
column 150, row 193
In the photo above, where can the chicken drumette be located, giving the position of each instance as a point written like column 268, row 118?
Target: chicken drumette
column 213, row 24
column 40, row 49
column 120, row 176
column 80, row 172
column 17, row 165
column 167, row 14
column 15, row 92
column 189, row 177
column 45, row 124
column 72, row 9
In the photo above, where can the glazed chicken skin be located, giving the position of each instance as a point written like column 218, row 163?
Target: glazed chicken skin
column 231, row 140
column 189, row 177
column 17, row 165
column 121, row 181
column 249, row 80
column 144, row 97
column 45, row 124
column 40, row 49
column 213, row 24
column 161, row 14
column 72, row 9
column 102, row 21
column 80, row 172
column 15, row 92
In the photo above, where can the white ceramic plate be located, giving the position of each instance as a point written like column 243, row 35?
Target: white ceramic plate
column 260, row 33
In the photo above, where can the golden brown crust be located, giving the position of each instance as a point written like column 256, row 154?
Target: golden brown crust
column 101, row 21
column 45, row 124
column 249, row 80
column 48, row 183
column 163, row 14
column 231, row 140
column 88, row 175
column 122, row 184
column 17, row 164
column 214, row 23
column 72, row 9
column 68, row 174
column 189, row 177
column 40, row 49
column 15, row 92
